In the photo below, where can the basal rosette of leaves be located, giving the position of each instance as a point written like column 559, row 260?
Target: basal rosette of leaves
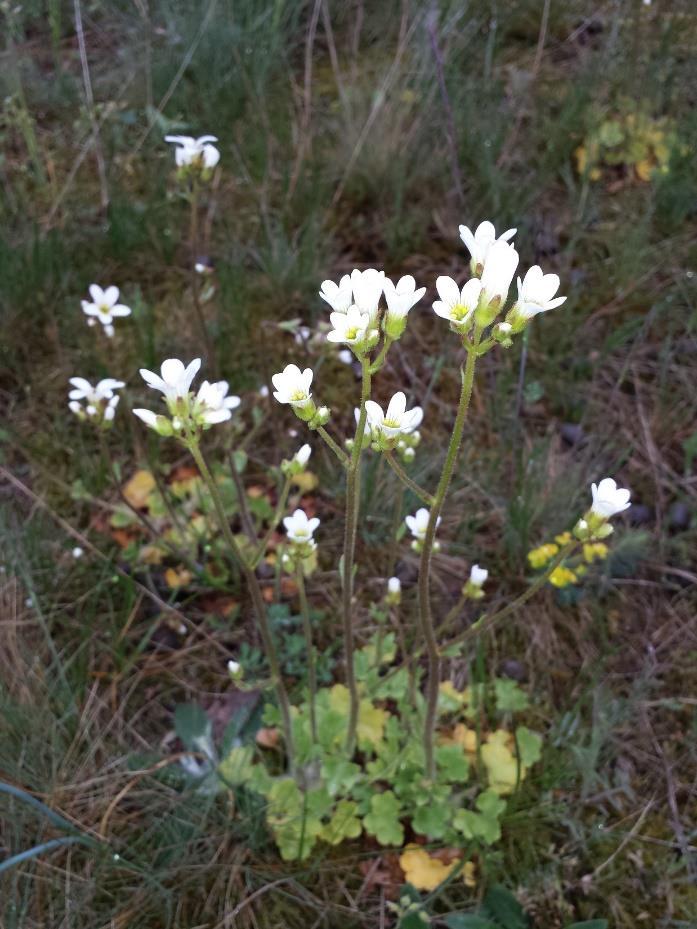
column 482, row 756
column 628, row 138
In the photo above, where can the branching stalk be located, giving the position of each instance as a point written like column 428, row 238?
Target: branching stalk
column 278, row 513
column 425, row 617
column 309, row 647
column 193, row 258
column 352, row 504
column 335, row 447
column 407, row 481
column 257, row 598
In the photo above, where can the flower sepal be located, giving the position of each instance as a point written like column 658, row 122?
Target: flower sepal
column 320, row 417
column 592, row 527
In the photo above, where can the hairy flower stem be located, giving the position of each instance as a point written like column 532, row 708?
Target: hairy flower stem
column 334, row 446
column 193, row 258
column 307, row 632
column 352, row 503
column 257, row 598
column 425, row 617
column 278, row 513
column 407, row 481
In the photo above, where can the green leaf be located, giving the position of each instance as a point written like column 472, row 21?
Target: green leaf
column 383, row 819
column 477, row 826
column 192, row 726
column 468, row 921
column 501, row 905
column 509, row 697
column 236, row 768
column 432, row 819
column 490, row 804
column 292, row 819
column 529, row 745
column 339, row 775
column 344, row 823
column 589, row 924
column 453, row 766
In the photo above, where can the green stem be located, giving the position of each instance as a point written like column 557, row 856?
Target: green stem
column 193, row 257
column 485, row 623
column 407, row 481
column 425, row 617
column 352, row 502
column 307, row 632
column 245, row 515
column 335, row 447
column 257, row 598
column 379, row 361
column 280, row 509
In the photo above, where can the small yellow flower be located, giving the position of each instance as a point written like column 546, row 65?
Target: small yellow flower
column 563, row 539
column 594, row 551
column 539, row 557
column 562, row 577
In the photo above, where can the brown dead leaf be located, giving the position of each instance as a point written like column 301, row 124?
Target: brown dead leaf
column 267, row 738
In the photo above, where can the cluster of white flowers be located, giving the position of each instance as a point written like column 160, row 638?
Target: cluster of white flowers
column 394, row 428
column 189, row 413
column 104, row 307
column 97, row 404
column 355, row 302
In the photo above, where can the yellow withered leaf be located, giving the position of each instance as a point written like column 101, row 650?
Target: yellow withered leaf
column 138, row 488
column 424, row 872
column 500, row 762
column 177, row 577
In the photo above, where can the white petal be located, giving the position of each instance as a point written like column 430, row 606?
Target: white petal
column 96, row 293
column 111, row 295
column 448, row 290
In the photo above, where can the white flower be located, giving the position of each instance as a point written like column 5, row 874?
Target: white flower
column 418, row 523
column 110, row 409
column 394, row 585
column 104, row 306
column 233, row 667
column 457, row 305
column 103, row 390
column 302, row 456
column 175, row 380
column 299, row 528
column 345, row 356
column 367, row 289
column 480, row 241
column 402, row 296
column 478, row 575
column 350, row 327
column 215, row 405
column 536, row 293
column 77, row 552
column 396, row 420
column 190, row 151
column 338, row 296
column 499, row 267
column 149, row 418
column 608, row 498
column 264, row 391
column 293, row 385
